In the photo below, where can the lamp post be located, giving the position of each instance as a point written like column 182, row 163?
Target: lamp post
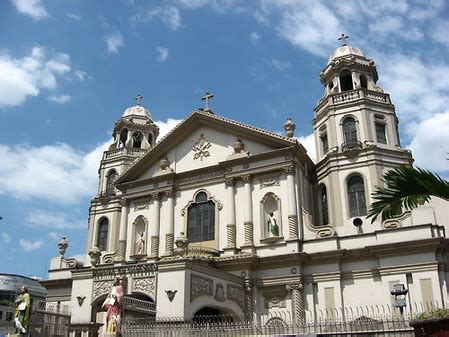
column 399, row 292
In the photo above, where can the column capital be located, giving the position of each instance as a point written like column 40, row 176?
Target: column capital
column 290, row 169
column 229, row 182
column 294, row 286
column 170, row 192
column 124, row 202
column 155, row 195
column 246, row 178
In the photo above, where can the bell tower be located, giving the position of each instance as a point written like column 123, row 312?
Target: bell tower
column 133, row 135
column 356, row 139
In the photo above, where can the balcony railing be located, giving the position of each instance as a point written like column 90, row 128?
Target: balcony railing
column 124, row 151
column 352, row 95
column 351, row 145
column 135, row 304
column 201, row 251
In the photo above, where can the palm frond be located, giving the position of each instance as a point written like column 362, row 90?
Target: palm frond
column 405, row 188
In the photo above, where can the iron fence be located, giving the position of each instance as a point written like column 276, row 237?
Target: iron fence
column 47, row 320
column 377, row 320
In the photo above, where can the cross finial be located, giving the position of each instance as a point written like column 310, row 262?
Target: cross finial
column 206, row 98
column 138, row 99
column 343, row 38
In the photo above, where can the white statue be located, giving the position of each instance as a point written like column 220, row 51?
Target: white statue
column 140, row 244
column 273, row 228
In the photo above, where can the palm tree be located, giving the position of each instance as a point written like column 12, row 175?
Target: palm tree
column 406, row 188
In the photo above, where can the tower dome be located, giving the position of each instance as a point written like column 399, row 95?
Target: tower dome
column 137, row 110
column 345, row 51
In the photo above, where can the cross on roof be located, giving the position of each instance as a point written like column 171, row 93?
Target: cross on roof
column 138, row 99
column 206, row 98
column 343, row 38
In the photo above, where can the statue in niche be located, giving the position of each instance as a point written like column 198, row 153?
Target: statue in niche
column 140, row 244
column 273, row 228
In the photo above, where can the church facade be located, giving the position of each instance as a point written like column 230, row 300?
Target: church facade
column 220, row 217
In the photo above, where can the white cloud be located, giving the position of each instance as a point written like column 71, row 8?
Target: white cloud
column 430, row 145
column 81, row 75
column 56, row 220
column 254, row 37
column 417, row 86
column 55, row 236
column 280, row 65
column 310, row 25
column 309, row 143
column 29, row 246
column 33, row 8
column 59, row 99
column 163, row 54
column 57, row 173
column 6, row 237
column 73, row 16
column 168, row 15
column 166, row 127
column 114, row 42
column 439, row 32
column 27, row 76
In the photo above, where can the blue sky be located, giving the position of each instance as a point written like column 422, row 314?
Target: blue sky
column 68, row 69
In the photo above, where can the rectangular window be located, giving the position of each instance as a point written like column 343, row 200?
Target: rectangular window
column 380, row 133
column 324, row 143
column 9, row 316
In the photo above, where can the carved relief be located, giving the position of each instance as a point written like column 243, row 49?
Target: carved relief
column 219, row 293
column 201, row 148
column 141, row 204
column 236, row 294
column 102, row 288
column 269, row 181
column 200, row 286
column 145, row 285
column 275, row 301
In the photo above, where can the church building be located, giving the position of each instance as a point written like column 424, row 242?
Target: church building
column 221, row 217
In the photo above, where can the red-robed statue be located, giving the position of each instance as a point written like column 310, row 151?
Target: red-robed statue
column 114, row 305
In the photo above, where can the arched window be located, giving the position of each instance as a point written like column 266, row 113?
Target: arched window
column 137, row 140
column 110, row 189
column 323, row 205
column 201, row 219
column 123, row 137
column 102, row 239
column 356, row 196
column 346, row 80
column 349, row 130
column 363, row 82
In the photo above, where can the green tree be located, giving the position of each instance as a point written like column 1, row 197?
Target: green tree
column 406, row 188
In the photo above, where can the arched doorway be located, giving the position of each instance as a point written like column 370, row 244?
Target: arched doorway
column 212, row 315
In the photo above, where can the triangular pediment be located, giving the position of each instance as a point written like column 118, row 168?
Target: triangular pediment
column 203, row 140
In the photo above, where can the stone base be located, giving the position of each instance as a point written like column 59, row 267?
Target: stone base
column 248, row 249
column 230, row 251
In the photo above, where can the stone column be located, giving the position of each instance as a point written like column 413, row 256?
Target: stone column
column 121, row 250
column 169, row 237
column 249, row 309
column 248, row 211
column 291, row 203
column 231, row 230
column 154, row 225
column 297, row 301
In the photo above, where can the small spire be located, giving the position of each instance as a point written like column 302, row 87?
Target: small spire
column 138, row 99
column 343, row 38
column 206, row 98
